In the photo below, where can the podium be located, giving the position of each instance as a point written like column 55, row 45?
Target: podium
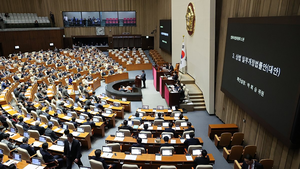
column 138, row 81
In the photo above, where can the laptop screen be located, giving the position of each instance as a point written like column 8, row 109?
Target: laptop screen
column 108, row 111
column 13, row 130
column 166, row 152
column 183, row 124
column 1, row 151
column 42, row 139
column 28, row 116
column 79, row 129
column 113, row 97
column 60, row 143
column 119, row 134
column 81, row 117
column 75, row 105
column 136, row 151
column 50, row 108
column 38, row 119
column 141, row 114
column 196, row 152
column 68, row 102
column 145, row 106
column 160, row 107
column 117, row 104
column 69, row 114
column 95, row 120
column 65, row 126
column 58, row 111
column 107, row 149
column 124, row 99
column 36, row 161
column 165, row 124
column 43, row 104
column 17, row 157
column 103, row 102
column 96, row 110
column 25, row 134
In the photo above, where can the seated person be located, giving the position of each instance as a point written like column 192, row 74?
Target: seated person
column 22, row 123
column 49, row 132
column 166, row 140
column 175, row 76
column 6, row 141
column 89, row 122
column 159, row 116
column 170, row 129
column 191, row 141
column 202, row 159
column 138, row 144
column 189, row 124
column 122, row 88
column 49, row 158
column 27, row 146
column 56, row 118
column 125, row 126
column 137, row 117
column 249, row 161
column 37, row 127
column 74, row 122
column 97, row 157
column 145, row 127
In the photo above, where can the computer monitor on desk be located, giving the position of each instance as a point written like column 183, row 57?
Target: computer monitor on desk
column 136, row 151
column 36, row 161
column 145, row 107
column 17, row 157
column 167, row 152
column 119, row 134
column 196, row 152
column 160, row 107
column 106, row 149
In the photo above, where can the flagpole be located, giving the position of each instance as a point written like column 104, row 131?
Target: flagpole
column 184, row 68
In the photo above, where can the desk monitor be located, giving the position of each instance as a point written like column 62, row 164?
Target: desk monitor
column 164, row 135
column 65, row 126
column 38, row 119
column 68, row 101
column 1, row 151
column 50, row 122
column 103, row 102
column 13, row 130
column 75, row 105
column 107, row 149
column 43, row 104
column 81, row 117
column 165, row 124
column 80, row 129
column 113, row 97
column 58, row 111
column 36, row 161
column 28, row 116
column 96, row 110
column 42, row 139
column 136, row 151
column 60, row 143
column 83, row 96
column 69, row 114
column 145, row 107
column 50, row 108
column 103, row 94
column 183, row 124
column 143, row 135
column 119, row 134
column 196, row 152
column 25, row 134
column 187, row 136
column 177, row 114
column 96, row 120
column 141, row 114
column 117, row 104
column 166, row 152
column 17, row 157
column 160, row 107
column 124, row 99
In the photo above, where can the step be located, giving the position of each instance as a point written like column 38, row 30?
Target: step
column 196, row 100
column 199, row 104
column 199, row 108
column 196, row 97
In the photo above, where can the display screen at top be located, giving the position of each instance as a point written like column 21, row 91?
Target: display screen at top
column 165, row 36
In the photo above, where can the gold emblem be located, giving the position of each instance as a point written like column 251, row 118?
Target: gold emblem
column 190, row 19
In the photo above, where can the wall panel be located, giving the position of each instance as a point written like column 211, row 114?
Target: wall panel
column 268, row 146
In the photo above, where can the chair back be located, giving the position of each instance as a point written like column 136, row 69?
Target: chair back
column 24, row 154
column 142, row 149
column 237, row 138
column 55, row 122
column 167, row 167
column 236, row 153
column 115, row 147
column 44, row 119
column 178, row 122
column 48, row 139
column 168, row 133
column 225, row 139
column 40, row 156
column 70, row 125
column 10, row 125
column 175, row 112
column 204, row 167
column 193, row 147
column 87, row 128
column 130, row 166
column 267, row 163
column 167, row 148
column 20, row 129
column 136, row 122
column 158, row 122
column 96, row 164
column 34, row 134
column 98, row 117
column 126, row 132
column 4, row 147
column 236, row 165
column 187, row 132
column 34, row 114
column 24, row 111
column 251, row 150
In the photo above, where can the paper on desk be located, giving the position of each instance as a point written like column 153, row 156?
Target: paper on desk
column 79, row 120
column 157, row 157
column 130, row 157
column 5, row 107
column 144, row 140
column 67, row 118
column 105, row 114
column 20, row 139
column 56, row 148
column 182, row 140
column 139, row 110
column 189, row 158
column 110, row 107
column 37, row 144
column 31, row 166
column 177, row 128
column 40, row 167
column 119, row 138
column 33, row 123
column 44, row 125
column 25, row 119
column 107, row 155
column 150, row 128
column 176, row 118
column 173, row 141
column 159, row 128
column 169, row 110
column 57, row 129
column 75, row 133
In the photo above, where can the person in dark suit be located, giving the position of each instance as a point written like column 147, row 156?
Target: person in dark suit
column 80, row 87
column 56, row 118
column 49, row 158
column 21, row 122
column 159, row 116
column 249, row 161
column 175, row 76
column 41, row 130
column 202, row 159
column 72, row 151
column 190, row 128
column 65, row 92
column 125, row 126
column 74, row 122
column 166, row 140
column 143, row 77
column 138, row 144
column 191, row 141
column 181, row 94
column 171, row 68
column 1, row 133
column 170, row 129
column 89, row 122
column 1, row 165
column 21, row 96
column 27, row 147
column 97, row 157
column 49, row 132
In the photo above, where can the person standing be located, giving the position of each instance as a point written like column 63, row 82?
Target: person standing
column 72, row 151
column 52, row 19
column 143, row 77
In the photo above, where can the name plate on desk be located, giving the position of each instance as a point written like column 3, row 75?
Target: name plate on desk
column 119, row 138
column 130, row 157
column 189, row 158
column 107, row 155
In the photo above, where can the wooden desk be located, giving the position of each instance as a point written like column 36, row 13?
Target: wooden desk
column 166, row 118
column 156, row 76
column 151, row 145
column 115, row 77
column 118, row 110
column 147, row 161
column 21, row 164
column 221, row 128
column 142, row 66
column 152, row 111
column 5, row 95
column 95, row 84
column 172, row 98
column 162, row 81
column 125, row 104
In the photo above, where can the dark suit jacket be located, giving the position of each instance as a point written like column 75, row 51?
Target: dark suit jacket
column 257, row 165
column 166, row 144
column 126, row 127
column 137, row 145
column 201, row 161
column 47, row 156
column 29, row 149
column 170, row 130
column 38, row 128
column 91, row 123
column 25, row 126
column 191, row 141
column 100, row 160
column 49, row 132
column 75, row 151
column 75, row 123
column 2, row 166
column 143, row 77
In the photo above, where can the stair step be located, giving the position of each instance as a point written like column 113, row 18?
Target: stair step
column 198, row 104
column 199, row 108
column 196, row 96
column 197, row 100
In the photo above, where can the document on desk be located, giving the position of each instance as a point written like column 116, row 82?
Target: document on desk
column 159, row 128
column 182, row 140
column 189, row 158
column 177, row 128
column 173, row 141
column 158, row 158
column 144, row 140
column 57, row 129
column 150, row 128
column 31, row 166
column 67, row 118
column 56, row 148
column 37, row 144
column 119, row 138
column 10, row 161
column 75, row 133
column 169, row 110
column 130, row 157
column 20, row 139
column 107, row 155
column 79, row 120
